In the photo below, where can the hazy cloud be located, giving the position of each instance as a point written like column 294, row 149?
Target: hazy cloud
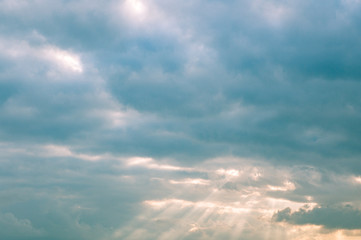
column 122, row 119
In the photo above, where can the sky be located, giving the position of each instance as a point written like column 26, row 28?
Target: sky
column 193, row 119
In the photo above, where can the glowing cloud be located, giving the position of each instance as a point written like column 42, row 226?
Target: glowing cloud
column 135, row 10
column 64, row 59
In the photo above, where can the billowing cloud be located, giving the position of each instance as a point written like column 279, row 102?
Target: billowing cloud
column 122, row 119
column 345, row 217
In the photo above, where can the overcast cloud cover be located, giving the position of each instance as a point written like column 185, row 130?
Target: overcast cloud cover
column 193, row 119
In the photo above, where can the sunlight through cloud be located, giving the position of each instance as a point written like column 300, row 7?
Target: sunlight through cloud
column 66, row 60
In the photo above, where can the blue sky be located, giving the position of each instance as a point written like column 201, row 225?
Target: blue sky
column 202, row 119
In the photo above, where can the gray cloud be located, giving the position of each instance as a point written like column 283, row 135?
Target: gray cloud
column 59, row 192
column 248, row 78
column 345, row 217
column 276, row 82
column 14, row 228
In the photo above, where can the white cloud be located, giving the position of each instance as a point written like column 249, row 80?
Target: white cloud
column 287, row 186
column 150, row 163
column 20, row 50
column 191, row 181
column 136, row 12
column 357, row 179
column 64, row 59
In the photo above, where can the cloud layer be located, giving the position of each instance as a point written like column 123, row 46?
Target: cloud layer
column 197, row 119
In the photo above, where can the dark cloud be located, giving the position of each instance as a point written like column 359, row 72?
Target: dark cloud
column 187, row 81
column 277, row 80
column 345, row 217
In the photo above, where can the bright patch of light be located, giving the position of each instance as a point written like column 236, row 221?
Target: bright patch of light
column 64, row 59
column 287, row 186
column 228, row 172
column 135, row 10
column 137, row 6
column 357, row 179
column 194, row 228
column 139, row 161
column 194, row 181
column 152, row 164
column 219, row 208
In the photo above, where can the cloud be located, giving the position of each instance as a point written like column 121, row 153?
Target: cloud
column 16, row 51
column 108, row 109
column 14, row 228
column 136, row 197
column 341, row 217
column 216, row 84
